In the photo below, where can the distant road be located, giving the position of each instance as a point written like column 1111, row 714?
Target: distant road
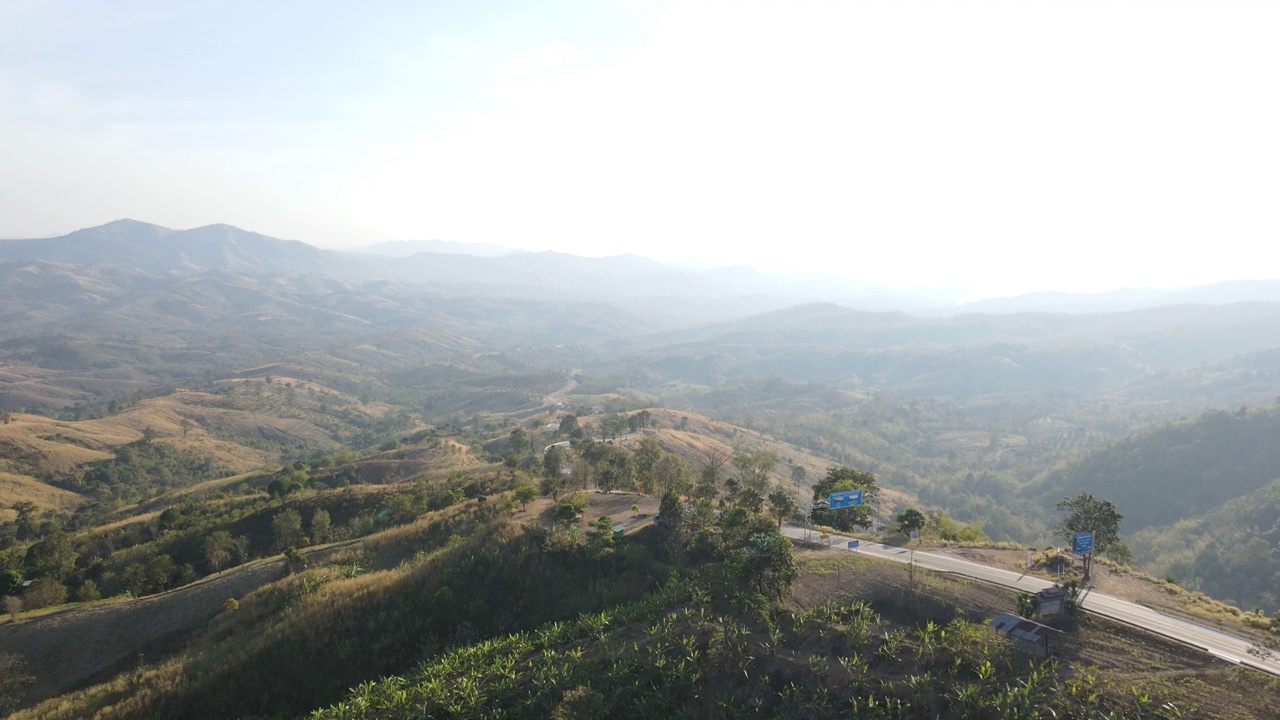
column 554, row 398
column 1223, row 645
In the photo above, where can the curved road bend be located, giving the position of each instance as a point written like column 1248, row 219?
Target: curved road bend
column 1216, row 642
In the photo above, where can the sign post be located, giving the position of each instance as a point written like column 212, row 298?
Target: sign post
column 1082, row 545
column 853, row 544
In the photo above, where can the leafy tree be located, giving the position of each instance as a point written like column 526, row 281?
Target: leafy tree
column 552, row 486
column 672, row 474
column 43, row 592
column 569, row 424
column 754, row 468
column 910, row 519
column 615, row 470
column 601, row 536
column 88, row 591
column 749, row 499
column 286, row 526
column 53, row 556
column 612, row 425
column 26, row 519
column 10, row 581
column 799, row 475
column 1028, row 605
column 710, row 476
column 846, row 478
column 320, row 525
column 645, row 459
column 671, row 510
column 518, row 444
column 782, row 505
column 13, row 606
column 565, row 513
column 525, row 493
column 1086, row 513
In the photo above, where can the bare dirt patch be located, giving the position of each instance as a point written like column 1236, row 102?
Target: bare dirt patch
column 617, row 505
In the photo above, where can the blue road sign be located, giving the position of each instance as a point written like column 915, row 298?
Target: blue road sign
column 853, row 544
column 844, row 499
column 1082, row 543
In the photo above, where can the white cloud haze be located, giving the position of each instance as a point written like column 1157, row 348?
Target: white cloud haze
column 1000, row 146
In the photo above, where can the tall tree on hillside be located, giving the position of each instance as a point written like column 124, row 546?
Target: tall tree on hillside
column 569, row 424
column 782, row 505
column 672, row 474
column 645, row 459
column 518, row 444
column 799, row 475
column 1086, row 513
column 615, row 470
column 287, row 528
column 710, row 475
column 754, row 468
column 910, row 519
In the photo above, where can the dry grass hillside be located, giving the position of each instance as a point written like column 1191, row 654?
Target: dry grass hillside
column 695, row 438
column 20, row 488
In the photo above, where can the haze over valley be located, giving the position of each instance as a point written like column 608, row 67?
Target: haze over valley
column 644, row 359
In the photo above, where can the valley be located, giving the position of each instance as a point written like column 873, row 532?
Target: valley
column 224, row 457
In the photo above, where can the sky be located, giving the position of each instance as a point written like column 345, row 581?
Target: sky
column 999, row 147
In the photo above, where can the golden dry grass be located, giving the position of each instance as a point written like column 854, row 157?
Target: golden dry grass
column 703, row 436
column 16, row 488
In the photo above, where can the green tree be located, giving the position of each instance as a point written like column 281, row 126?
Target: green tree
column 710, row 475
column 845, row 478
column 569, row 424
column 286, row 526
column 43, row 592
column 1086, row 513
column 910, row 519
column 10, row 581
column 671, row 510
column 646, row 457
column 1028, row 606
column 601, row 535
column 799, row 475
column 525, row 493
column 320, row 525
column 672, row 474
column 754, row 468
column 53, row 556
column 518, row 444
column 88, row 591
column 26, row 519
column 782, row 505
column 615, row 470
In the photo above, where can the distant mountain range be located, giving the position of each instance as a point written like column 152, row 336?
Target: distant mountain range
column 473, row 269
column 141, row 246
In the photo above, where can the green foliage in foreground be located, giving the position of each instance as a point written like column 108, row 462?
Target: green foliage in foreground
column 672, row 655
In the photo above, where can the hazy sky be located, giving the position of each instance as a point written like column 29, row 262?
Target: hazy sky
column 1002, row 147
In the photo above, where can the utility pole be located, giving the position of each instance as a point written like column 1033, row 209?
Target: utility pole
column 911, row 574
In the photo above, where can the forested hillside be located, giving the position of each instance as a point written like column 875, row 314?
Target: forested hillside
column 1180, row 470
column 1231, row 552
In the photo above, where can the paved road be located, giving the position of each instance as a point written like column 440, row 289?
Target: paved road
column 1223, row 645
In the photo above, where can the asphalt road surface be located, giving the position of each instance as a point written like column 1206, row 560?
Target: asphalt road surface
column 1216, row 642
